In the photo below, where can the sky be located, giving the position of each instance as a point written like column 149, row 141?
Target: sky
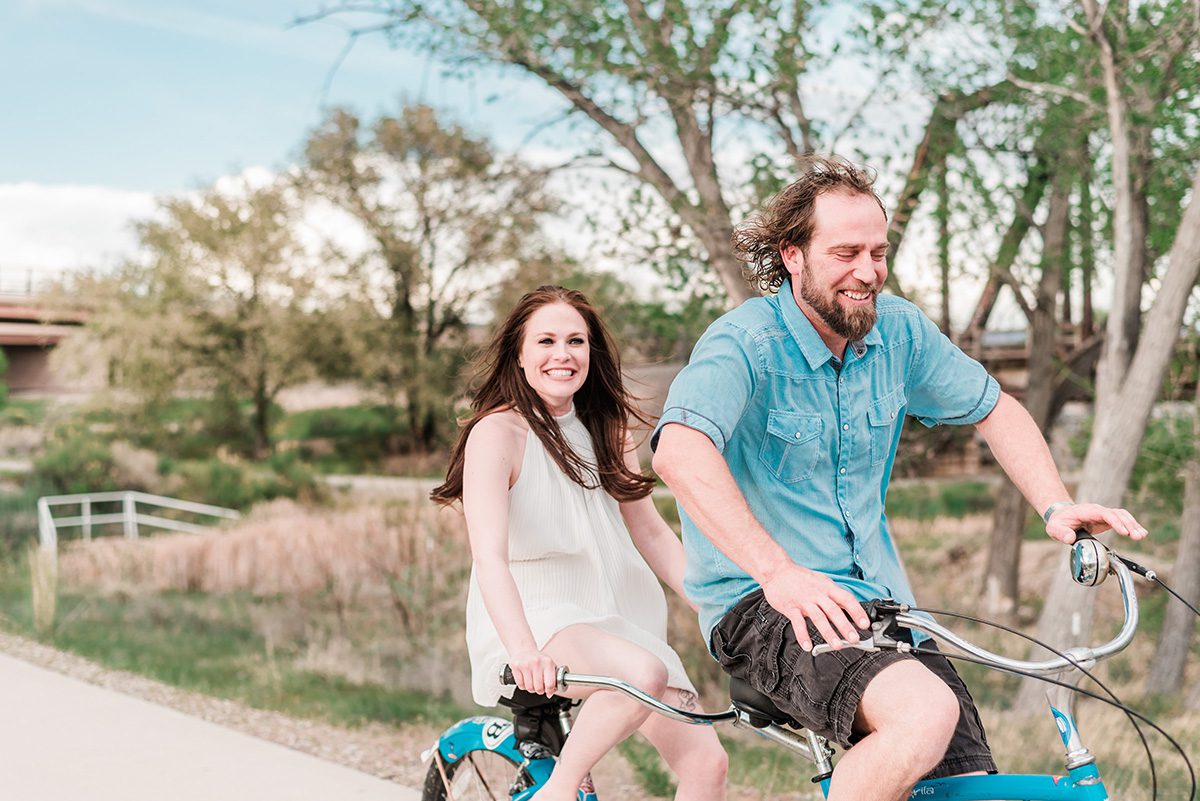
column 109, row 103
column 112, row 103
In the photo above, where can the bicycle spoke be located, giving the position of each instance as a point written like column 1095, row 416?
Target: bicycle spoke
column 482, row 780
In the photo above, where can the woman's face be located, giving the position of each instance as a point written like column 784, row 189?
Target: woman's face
column 554, row 354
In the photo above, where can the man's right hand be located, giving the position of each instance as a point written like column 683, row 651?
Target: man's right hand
column 802, row 595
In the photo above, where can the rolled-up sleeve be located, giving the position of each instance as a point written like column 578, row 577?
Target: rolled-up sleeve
column 946, row 385
column 710, row 394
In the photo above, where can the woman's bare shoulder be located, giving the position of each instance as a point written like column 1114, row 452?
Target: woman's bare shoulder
column 501, row 425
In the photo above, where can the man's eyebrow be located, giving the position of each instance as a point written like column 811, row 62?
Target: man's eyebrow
column 860, row 246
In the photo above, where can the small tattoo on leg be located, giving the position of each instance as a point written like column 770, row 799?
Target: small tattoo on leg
column 687, row 700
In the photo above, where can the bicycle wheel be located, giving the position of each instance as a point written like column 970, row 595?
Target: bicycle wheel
column 478, row 775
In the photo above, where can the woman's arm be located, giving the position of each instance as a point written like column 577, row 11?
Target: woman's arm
column 488, row 469
column 656, row 541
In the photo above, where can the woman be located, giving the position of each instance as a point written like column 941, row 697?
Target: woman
column 555, row 502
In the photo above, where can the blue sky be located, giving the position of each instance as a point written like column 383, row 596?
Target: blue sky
column 162, row 95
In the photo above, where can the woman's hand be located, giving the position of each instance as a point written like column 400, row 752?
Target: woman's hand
column 534, row 672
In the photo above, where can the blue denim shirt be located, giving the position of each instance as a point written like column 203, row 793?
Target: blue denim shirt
column 812, row 446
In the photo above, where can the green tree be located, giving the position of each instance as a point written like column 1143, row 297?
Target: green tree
column 224, row 303
column 445, row 219
column 670, row 86
column 3, row 383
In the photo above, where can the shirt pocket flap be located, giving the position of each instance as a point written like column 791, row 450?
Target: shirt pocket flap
column 884, row 411
column 795, row 427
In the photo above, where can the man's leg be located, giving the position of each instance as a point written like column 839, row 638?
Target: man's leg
column 909, row 716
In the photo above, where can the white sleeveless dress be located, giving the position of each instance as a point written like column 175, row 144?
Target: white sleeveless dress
column 573, row 562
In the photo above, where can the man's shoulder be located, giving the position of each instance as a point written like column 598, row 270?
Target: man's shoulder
column 897, row 309
column 755, row 317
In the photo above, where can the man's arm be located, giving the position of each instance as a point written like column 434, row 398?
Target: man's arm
column 696, row 472
column 1021, row 450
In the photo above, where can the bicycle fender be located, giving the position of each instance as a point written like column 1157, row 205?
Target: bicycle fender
column 487, row 733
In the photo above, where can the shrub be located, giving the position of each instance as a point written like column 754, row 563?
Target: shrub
column 239, row 485
column 77, row 463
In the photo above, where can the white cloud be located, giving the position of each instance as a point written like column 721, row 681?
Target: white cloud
column 46, row 230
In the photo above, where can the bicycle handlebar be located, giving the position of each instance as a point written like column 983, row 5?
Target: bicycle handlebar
column 1091, row 563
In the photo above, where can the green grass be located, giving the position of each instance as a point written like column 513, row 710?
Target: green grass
column 930, row 500
column 648, row 767
column 22, row 412
column 209, row 644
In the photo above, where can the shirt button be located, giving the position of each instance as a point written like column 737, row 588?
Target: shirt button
column 845, row 426
column 797, row 435
column 842, row 471
column 893, row 415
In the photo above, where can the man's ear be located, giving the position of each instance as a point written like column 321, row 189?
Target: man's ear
column 793, row 258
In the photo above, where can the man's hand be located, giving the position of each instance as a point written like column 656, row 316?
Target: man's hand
column 802, row 595
column 1095, row 518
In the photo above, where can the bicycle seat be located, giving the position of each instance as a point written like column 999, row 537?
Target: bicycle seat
column 760, row 709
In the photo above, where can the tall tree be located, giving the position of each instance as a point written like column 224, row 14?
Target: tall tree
column 444, row 220
column 1141, row 69
column 222, row 303
column 673, row 86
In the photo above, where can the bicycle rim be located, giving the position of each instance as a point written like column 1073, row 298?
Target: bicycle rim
column 476, row 776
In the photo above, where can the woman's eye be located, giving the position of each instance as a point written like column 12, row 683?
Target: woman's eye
column 545, row 341
column 577, row 341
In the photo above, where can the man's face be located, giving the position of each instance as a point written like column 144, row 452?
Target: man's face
column 838, row 277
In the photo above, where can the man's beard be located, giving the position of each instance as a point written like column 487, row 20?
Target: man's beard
column 851, row 324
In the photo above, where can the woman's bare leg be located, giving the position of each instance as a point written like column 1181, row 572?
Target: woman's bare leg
column 605, row 718
column 693, row 753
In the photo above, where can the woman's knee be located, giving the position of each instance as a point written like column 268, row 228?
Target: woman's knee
column 648, row 674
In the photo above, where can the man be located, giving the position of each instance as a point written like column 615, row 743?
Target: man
column 778, row 440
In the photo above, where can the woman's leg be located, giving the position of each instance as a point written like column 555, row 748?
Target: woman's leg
column 693, row 753
column 605, row 718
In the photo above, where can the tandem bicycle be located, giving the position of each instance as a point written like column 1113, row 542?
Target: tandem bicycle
column 493, row 758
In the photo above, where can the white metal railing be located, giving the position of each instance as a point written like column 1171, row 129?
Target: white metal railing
column 129, row 515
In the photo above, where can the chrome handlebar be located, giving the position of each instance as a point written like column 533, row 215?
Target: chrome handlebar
column 1091, row 563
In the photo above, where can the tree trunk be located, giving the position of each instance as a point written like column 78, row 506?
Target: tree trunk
column 943, row 221
column 1119, row 426
column 1002, row 575
column 1175, row 640
column 262, row 419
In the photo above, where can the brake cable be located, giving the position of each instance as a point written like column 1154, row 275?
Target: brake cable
column 1111, row 701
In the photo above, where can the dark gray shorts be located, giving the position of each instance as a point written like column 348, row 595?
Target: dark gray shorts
column 755, row 643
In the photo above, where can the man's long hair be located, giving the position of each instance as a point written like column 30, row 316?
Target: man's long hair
column 601, row 404
column 788, row 219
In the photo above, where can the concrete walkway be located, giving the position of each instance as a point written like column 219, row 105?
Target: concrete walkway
column 65, row 740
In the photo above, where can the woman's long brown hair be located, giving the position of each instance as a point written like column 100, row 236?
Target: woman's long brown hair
column 602, row 404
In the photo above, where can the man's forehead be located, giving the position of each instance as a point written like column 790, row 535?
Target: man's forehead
column 839, row 214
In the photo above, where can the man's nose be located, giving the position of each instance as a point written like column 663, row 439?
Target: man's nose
column 867, row 270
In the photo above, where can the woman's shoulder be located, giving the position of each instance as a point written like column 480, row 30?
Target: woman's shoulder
column 503, row 424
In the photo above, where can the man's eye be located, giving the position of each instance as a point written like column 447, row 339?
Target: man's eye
column 879, row 255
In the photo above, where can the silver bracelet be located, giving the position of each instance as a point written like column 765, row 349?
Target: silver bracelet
column 1054, row 507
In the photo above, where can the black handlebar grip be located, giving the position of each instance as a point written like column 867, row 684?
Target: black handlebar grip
column 506, row 676
column 1083, row 534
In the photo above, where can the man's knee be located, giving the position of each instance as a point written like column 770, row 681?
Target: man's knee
column 906, row 698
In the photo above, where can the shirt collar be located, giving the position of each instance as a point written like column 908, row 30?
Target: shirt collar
column 815, row 351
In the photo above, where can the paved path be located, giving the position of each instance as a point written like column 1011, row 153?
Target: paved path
column 64, row 740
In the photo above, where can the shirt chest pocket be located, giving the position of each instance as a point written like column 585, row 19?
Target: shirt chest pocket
column 883, row 415
column 791, row 445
